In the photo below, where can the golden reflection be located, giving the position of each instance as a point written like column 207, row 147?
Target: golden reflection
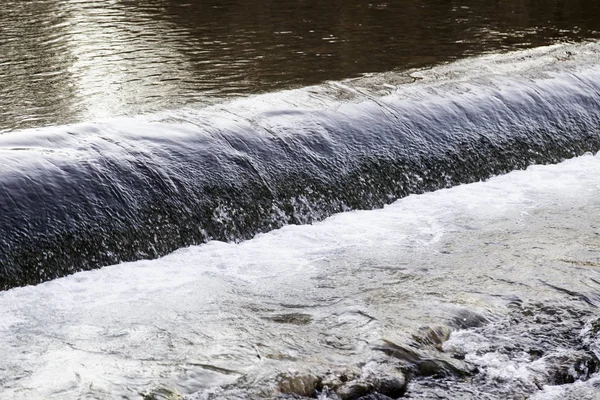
column 124, row 62
column 63, row 61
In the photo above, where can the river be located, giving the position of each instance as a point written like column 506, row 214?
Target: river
column 299, row 199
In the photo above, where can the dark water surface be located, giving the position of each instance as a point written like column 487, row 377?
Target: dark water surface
column 65, row 61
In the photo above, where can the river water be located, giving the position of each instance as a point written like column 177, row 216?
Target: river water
column 333, row 200
column 66, row 61
column 515, row 259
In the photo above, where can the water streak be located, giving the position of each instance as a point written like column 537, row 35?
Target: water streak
column 83, row 196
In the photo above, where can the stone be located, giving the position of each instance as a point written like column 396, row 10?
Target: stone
column 354, row 389
column 302, row 385
column 162, row 394
column 385, row 379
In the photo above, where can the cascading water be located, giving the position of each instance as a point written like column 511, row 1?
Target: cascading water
column 460, row 289
column 85, row 196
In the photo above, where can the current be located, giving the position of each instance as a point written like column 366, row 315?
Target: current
column 351, row 201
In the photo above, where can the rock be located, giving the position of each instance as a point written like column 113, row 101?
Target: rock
column 595, row 327
column 466, row 319
column 162, row 394
column 375, row 396
column 302, row 385
column 385, row 379
column 433, row 336
column 291, row 318
column 421, row 364
column 354, row 389
column 570, row 367
column 334, row 380
column 403, row 353
column 375, row 381
column 535, row 353
column 392, row 386
column 441, row 368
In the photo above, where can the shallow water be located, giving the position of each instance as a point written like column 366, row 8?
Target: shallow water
column 72, row 61
column 333, row 296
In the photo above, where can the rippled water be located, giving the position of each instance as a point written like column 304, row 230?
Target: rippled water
column 516, row 259
column 94, row 194
column 65, row 61
column 475, row 290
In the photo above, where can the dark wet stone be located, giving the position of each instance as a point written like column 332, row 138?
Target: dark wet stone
column 535, row 354
column 334, row 380
column 466, row 319
column 440, row 368
column 595, row 326
column 404, row 353
column 386, row 379
column 162, row 394
column 291, row 318
column 354, row 390
column 433, row 336
column 424, row 365
column 302, row 385
column 571, row 367
column 375, row 396
column 393, row 386
column 375, row 379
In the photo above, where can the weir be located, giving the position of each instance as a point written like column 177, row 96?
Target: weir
column 84, row 196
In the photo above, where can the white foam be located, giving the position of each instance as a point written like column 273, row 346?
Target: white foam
column 139, row 322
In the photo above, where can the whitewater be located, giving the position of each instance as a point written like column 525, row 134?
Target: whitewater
column 307, row 299
column 94, row 194
column 230, row 258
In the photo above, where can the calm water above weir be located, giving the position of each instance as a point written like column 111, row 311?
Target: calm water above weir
column 68, row 61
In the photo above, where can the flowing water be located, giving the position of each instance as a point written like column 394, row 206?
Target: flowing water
column 516, row 259
column 334, row 200
column 74, row 60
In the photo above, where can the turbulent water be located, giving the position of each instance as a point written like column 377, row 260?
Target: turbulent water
column 484, row 290
column 223, row 207
column 90, row 195
column 513, row 263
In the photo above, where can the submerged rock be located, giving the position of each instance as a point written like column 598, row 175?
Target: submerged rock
column 421, row 364
column 375, row 396
column 386, row 379
column 433, row 336
column 162, row 394
column 299, row 384
column 570, row 366
column 291, row 318
column 466, row 319
column 354, row 390
column 375, row 380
